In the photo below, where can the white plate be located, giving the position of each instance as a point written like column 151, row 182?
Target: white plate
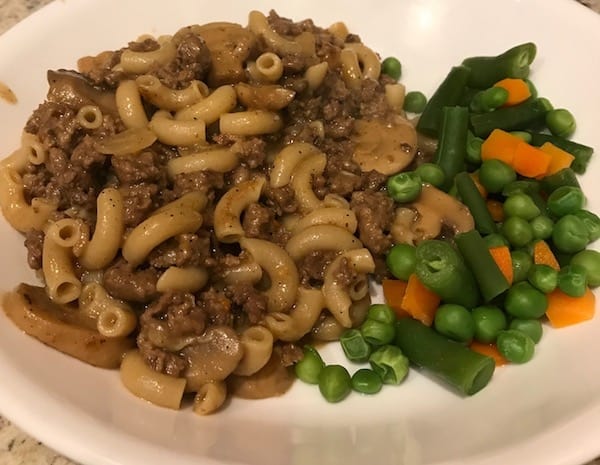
column 546, row 412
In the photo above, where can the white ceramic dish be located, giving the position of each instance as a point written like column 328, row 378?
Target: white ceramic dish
column 545, row 412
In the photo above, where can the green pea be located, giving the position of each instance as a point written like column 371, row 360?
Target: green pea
column 309, row 368
column 572, row 280
column 401, row 260
column 532, row 327
column 489, row 320
column 431, row 173
column 390, row 364
column 354, row 345
column 366, row 381
column 404, row 187
column 591, row 222
column 382, row 313
column 392, row 67
column 517, row 230
column 414, row 102
column 565, row 200
column 521, row 205
column 521, row 263
column 589, row 260
column 488, row 99
column 495, row 174
column 570, row 234
column 525, row 301
column 377, row 333
column 515, row 346
column 495, row 240
column 334, row 383
column 543, row 277
column 455, row 322
column 561, row 122
column 542, row 227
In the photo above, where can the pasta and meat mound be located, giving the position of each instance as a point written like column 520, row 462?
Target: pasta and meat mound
column 202, row 202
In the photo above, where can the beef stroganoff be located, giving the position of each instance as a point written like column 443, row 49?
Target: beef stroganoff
column 197, row 204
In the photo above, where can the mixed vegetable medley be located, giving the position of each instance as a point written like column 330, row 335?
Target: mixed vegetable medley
column 464, row 303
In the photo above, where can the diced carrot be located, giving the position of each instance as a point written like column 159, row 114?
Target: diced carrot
column 543, row 255
column 478, row 185
column 490, row 350
column 564, row 310
column 500, row 145
column 496, row 210
column 420, row 302
column 393, row 293
column 518, row 90
column 560, row 158
column 502, row 257
column 530, row 161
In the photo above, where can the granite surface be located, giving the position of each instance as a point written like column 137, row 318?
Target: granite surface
column 16, row 447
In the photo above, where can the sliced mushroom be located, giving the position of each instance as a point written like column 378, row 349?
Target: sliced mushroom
column 230, row 45
column 63, row 328
column 424, row 218
column 272, row 380
column 266, row 97
column 386, row 147
column 74, row 89
column 213, row 357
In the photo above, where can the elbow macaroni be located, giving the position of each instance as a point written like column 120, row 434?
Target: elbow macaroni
column 180, row 214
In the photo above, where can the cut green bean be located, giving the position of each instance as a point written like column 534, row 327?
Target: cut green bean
column 447, row 94
column 441, row 269
column 582, row 153
column 452, row 144
column 564, row 177
column 377, row 333
column 513, row 63
column 465, row 370
column 523, row 135
column 471, row 197
column 354, row 345
column 523, row 116
column 473, row 152
column 477, row 255
column 389, row 363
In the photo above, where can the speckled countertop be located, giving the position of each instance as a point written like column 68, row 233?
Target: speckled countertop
column 16, row 447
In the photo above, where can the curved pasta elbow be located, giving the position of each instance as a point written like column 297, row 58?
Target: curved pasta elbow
column 338, row 296
column 281, row 269
column 145, row 383
column 321, row 237
column 157, row 229
column 227, row 222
